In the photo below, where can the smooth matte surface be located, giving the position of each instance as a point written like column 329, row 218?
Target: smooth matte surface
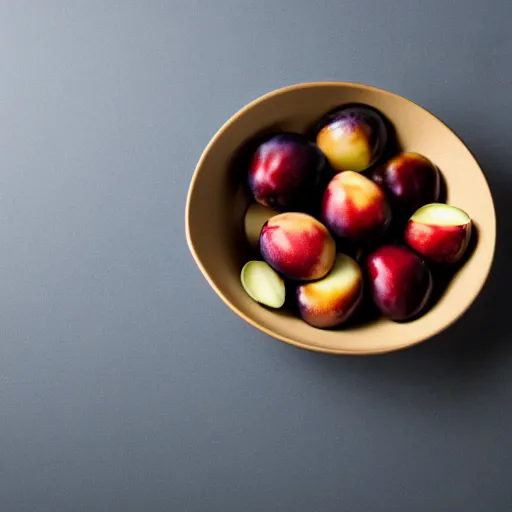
column 126, row 384
column 218, row 242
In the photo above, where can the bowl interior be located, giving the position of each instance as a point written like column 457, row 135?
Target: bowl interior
column 217, row 202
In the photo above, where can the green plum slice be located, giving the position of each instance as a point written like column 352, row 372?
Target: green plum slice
column 263, row 284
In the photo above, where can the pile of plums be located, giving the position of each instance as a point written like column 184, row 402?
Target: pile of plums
column 340, row 212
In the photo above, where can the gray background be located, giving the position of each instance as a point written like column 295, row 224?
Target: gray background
column 125, row 383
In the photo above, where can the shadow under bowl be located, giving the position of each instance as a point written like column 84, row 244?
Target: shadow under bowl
column 218, row 198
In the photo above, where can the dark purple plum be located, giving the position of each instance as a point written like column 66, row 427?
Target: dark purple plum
column 285, row 171
column 353, row 137
column 400, row 281
column 410, row 180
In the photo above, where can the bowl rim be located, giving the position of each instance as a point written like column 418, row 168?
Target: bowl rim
column 366, row 352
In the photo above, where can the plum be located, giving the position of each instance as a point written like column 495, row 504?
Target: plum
column 255, row 216
column 332, row 300
column 285, row 171
column 297, row 246
column 354, row 207
column 352, row 137
column 263, row 284
column 411, row 180
column 400, row 281
column 439, row 232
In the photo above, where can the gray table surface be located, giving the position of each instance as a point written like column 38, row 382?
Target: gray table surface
column 125, row 383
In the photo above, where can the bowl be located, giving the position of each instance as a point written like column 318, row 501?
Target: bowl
column 217, row 201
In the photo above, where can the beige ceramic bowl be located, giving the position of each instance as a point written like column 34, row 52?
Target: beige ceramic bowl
column 217, row 202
